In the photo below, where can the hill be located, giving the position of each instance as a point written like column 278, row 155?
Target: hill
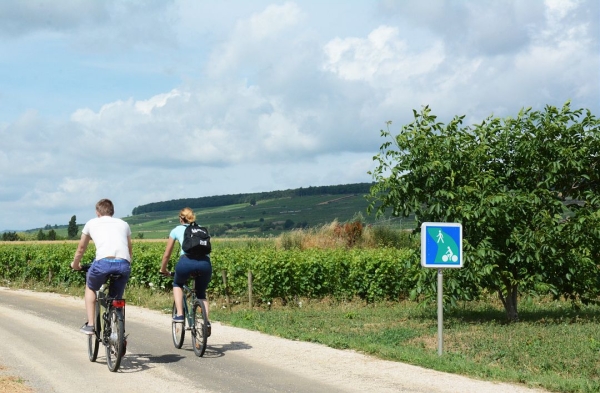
column 228, row 200
column 259, row 214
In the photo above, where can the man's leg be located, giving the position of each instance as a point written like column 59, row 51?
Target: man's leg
column 90, row 299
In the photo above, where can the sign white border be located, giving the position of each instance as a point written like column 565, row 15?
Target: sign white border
column 424, row 227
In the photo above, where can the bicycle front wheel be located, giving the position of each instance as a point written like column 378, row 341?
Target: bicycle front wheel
column 200, row 328
column 115, row 333
column 94, row 339
column 177, row 329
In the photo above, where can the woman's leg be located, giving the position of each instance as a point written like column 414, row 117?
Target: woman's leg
column 178, row 297
column 205, row 269
column 183, row 269
column 206, row 307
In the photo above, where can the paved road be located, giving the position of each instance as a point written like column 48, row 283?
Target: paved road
column 40, row 341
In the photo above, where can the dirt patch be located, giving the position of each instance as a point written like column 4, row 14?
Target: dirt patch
column 10, row 384
column 336, row 199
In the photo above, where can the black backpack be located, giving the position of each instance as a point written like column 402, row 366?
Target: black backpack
column 196, row 241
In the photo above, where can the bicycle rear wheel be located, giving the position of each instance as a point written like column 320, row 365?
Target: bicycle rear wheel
column 116, row 339
column 200, row 327
column 177, row 329
column 94, row 339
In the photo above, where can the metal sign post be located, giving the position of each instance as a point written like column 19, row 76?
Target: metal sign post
column 440, row 299
column 441, row 247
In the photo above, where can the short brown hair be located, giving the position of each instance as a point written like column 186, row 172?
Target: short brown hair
column 187, row 215
column 105, row 207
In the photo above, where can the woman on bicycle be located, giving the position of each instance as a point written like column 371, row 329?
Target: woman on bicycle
column 186, row 265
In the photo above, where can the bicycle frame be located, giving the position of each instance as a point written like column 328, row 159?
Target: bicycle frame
column 195, row 321
column 109, row 325
column 109, row 328
column 106, row 304
column 189, row 295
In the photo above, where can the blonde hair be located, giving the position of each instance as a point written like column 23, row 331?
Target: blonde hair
column 187, row 215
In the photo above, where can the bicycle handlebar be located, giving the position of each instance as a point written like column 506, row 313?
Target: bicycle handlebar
column 84, row 267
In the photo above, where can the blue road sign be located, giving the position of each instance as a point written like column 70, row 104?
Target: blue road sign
column 441, row 244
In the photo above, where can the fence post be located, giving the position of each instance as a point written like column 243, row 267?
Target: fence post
column 224, row 275
column 250, row 287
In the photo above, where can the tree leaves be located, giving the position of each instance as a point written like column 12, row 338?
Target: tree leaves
column 525, row 190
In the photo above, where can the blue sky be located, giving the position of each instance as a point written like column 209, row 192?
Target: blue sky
column 149, row 101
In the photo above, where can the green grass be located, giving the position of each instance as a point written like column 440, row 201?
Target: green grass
column 554, row 346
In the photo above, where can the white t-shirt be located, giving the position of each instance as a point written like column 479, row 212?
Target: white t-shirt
column 110, row 237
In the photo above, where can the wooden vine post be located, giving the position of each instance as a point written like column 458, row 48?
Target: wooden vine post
column 224, row 275
column 250, row 287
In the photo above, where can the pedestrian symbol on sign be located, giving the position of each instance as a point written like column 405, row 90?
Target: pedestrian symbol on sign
column 440, row 236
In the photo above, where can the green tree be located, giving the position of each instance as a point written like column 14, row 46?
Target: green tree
column 10, row 236
column 525, row 189
column 72, row 229
column 51, row 234
column 41, row 235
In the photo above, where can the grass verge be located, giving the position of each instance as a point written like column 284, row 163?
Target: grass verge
column 554, row 346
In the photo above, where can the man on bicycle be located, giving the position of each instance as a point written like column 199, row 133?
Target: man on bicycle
column 112, row 238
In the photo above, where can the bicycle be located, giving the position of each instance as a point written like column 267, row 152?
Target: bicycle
column 194, row 320
column 109, row 325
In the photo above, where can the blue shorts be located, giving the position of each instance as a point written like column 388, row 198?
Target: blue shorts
column 101, row 268
column 184, row 269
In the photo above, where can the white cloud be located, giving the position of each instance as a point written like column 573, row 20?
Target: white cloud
column 157, row 101
column 255, row 39
column 273, row 20
column 66, row 190
column 381, row 56
column 558, row 9
column 142, row 103
column 280, row 136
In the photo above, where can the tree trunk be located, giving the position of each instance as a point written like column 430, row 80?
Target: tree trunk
column 510, row 302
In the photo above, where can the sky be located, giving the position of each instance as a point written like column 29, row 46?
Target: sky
column 148, row 101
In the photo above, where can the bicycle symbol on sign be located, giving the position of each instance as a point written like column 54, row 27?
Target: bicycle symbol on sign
column 449, row 256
